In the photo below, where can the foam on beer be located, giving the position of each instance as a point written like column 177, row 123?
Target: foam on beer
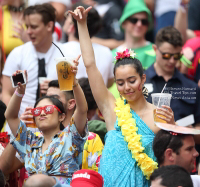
column 66, row 59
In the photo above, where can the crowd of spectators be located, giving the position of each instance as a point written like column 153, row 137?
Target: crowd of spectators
column 122, row 50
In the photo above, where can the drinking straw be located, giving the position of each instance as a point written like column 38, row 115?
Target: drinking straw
column 164, row 87
column 161, row 92
column 160, row 96
column 58, row 48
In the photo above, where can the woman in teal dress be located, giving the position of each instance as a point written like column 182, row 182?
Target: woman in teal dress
column 128, row 159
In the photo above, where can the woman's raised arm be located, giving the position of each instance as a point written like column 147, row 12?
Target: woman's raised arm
column 104, row 99
column 80, row 114
column 12, row 110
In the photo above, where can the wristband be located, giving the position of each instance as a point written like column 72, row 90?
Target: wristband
column 18, row 94
column 184, row 6
column 186, row 62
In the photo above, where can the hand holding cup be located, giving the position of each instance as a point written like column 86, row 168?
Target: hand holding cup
column 27, row 115
column 165, row 113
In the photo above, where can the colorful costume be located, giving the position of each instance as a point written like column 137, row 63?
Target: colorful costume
column 59, row 159
column 117, row 166
column 92, row 152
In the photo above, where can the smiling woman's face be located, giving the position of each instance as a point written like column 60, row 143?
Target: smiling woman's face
column 129, row 83
column 47, row 121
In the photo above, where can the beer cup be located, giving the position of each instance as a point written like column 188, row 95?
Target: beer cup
column 31, row 125
column 159, row 99
column 65, row 75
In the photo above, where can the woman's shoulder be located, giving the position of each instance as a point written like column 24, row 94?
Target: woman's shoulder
column 149, row 118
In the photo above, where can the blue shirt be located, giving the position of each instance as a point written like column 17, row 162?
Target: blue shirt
column 61, row 156
column 185, row 93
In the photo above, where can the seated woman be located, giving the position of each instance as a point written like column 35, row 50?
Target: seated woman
column 127, row 159
column 56, row 152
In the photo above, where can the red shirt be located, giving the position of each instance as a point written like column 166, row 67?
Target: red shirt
column 194, row 44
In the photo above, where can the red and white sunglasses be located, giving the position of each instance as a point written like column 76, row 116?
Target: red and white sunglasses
column 49, row 109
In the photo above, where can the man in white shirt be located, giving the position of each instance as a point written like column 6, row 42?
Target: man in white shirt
column 176, row 149
column 40, row 21
column 103, row 55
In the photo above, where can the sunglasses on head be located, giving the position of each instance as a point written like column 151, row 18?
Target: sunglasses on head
column 135, row 20
column 49, row 109
column 167, row 56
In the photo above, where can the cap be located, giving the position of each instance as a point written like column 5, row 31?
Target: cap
column 87, row 178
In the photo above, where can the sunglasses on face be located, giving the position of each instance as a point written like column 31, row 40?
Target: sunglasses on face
column 49, row 109
column 167, row 56
column 135, row 20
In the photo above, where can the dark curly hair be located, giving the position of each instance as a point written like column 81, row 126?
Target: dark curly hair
column 170, row 35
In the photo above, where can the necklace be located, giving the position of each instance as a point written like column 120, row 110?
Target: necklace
column 141, row 116
column 16, row 9
column 129, row 130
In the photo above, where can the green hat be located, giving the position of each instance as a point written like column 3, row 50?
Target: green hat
column 133, row 7
column 98, row 127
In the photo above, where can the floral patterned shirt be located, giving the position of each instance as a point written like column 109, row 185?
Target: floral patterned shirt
column 92, row 152
column 61, row 156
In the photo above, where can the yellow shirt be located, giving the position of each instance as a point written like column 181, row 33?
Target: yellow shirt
column 92, row 152
column 9, row 42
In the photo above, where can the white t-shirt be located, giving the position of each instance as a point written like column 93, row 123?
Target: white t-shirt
column 164, row 6
column 103, row 57
column 195, row 180
column 34, row 2
column 25, row 57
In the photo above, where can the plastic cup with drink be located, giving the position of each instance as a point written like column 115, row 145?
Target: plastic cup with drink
column 28, row 118
column 159, row 99
column 65, row 75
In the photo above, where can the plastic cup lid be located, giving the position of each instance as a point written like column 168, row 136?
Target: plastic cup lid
column 161, row 95
column 66, row 59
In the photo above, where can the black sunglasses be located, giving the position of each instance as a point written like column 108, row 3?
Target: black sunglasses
column 167, row 56
column 135, row 20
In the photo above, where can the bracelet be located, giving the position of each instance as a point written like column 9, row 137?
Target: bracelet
column 18, row 94
column 186, row 62
column 75, row 85
column 184, row 6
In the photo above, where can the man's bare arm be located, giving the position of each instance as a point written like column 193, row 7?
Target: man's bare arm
column 8, row 161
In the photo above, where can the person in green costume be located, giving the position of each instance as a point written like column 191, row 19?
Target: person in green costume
column 136, row 20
